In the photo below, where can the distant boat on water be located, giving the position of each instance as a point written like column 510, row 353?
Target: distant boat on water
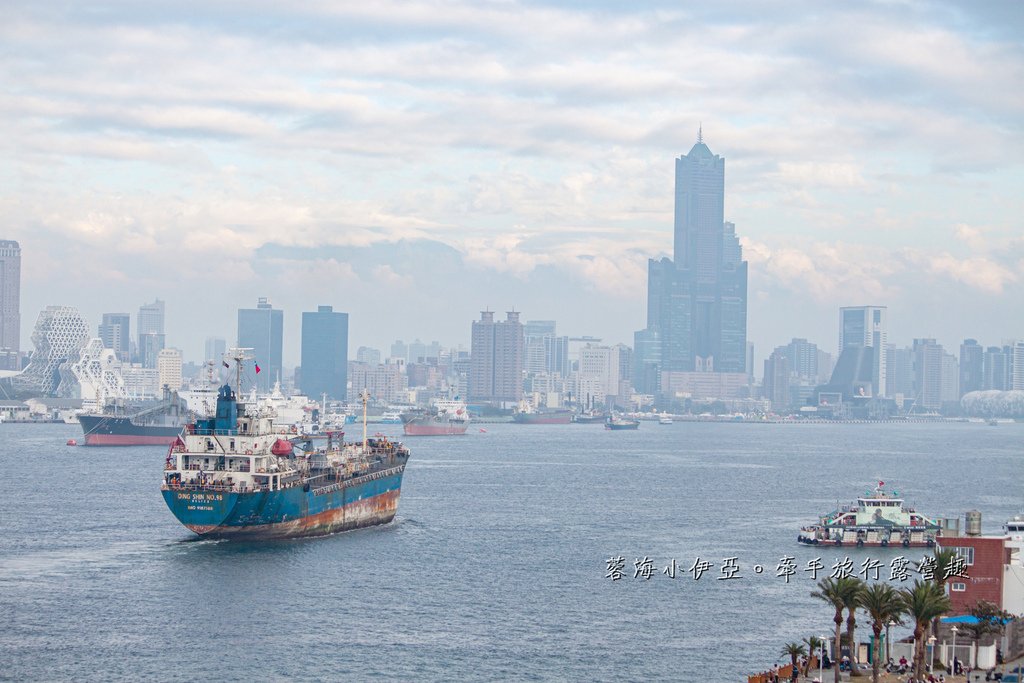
column 616, row 423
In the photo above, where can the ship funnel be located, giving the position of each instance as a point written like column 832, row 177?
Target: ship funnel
column 973, row 526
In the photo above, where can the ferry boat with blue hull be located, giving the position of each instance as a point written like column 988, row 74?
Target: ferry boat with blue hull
column 233, row 475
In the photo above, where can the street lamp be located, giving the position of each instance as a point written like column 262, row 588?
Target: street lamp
column 952, row 662
column 931, row 654
column 888, row 642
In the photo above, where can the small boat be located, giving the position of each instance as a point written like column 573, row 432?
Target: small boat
column 879, row 518
column 72, row 442
column 617, row 423
column 664, row 419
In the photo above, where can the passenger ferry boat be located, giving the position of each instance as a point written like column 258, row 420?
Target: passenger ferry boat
column 235, row 475
column 878, row 519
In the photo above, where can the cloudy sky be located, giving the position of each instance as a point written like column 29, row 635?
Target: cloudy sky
column 413, row 163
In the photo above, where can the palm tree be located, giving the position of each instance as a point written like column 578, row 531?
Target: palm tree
column 922, row 603
column 814, row 644
column 794, row 650
column 990, row 619
column 834, row 591
column 882, row 603
column 944, row 559
column 851, row 601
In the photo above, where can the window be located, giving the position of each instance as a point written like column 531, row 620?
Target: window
column 967, row 554
column 958, row 587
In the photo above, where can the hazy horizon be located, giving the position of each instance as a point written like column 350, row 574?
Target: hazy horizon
column 412, row 164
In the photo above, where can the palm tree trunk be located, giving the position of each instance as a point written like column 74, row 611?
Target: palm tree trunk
column 876, row 660
column 851, row 625
column 837, row 654
column 919, row 650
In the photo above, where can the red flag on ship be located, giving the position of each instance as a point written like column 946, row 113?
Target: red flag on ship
column 257, row 368
column 881, row 483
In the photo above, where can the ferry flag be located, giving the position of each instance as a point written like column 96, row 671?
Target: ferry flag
column 257, row 368
column 225, row 363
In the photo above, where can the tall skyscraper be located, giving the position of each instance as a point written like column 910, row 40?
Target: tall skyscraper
column 262, row 330
column 777, row 373
column 928, row 366
column 866, row 326
column 697, row 302
column 151, row 332
column 972, row 366
column 115, row 332
column 325, row 353
column 10, row 295
column 997, row 367
column 497, row 359
column 1017, row 366
column 214, row 349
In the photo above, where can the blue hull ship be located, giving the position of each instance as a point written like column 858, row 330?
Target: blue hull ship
column 234, row 476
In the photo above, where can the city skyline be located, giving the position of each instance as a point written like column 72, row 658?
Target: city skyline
column 443, row 158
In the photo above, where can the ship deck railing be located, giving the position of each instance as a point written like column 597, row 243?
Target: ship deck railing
column 212, row 432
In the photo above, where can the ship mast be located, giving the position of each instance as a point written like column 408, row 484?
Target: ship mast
column 365, row 395
column 239, row 355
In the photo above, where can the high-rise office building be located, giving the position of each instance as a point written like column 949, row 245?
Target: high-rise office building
column 10, row 295
column 400, row 351
column 115, row 332
column 996, row 369
column 214, row 349
column 262, row 330
column 151, row 332
column 866, row 326
column 972, row 366
column 325, row 353
column 497, row 359
column 697, row 302
column 168, row 366
column 928, row 367
column 777, row 374
column 1017, row 366
column 370, row 356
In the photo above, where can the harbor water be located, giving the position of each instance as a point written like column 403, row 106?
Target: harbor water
column 495, row 568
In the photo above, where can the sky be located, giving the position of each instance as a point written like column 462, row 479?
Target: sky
column 414, row 163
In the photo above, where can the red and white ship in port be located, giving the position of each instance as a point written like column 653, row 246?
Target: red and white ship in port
column 446, row 417
column 878, row 519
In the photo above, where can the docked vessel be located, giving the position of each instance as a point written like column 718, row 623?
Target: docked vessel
column 156, row 425
column 444, row 418
column 543, row 416
column 589, row 418
column 234, row 475
column 880, row 518
column 616, row 422
column 664, row 419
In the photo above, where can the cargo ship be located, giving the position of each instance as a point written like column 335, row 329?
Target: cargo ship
column 617, row 423
column 158, row 425
column 543, row 416
column 879, row 519
column 235, row 476
column 444, row 418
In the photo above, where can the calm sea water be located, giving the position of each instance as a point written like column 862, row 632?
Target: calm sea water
column 494, row 568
